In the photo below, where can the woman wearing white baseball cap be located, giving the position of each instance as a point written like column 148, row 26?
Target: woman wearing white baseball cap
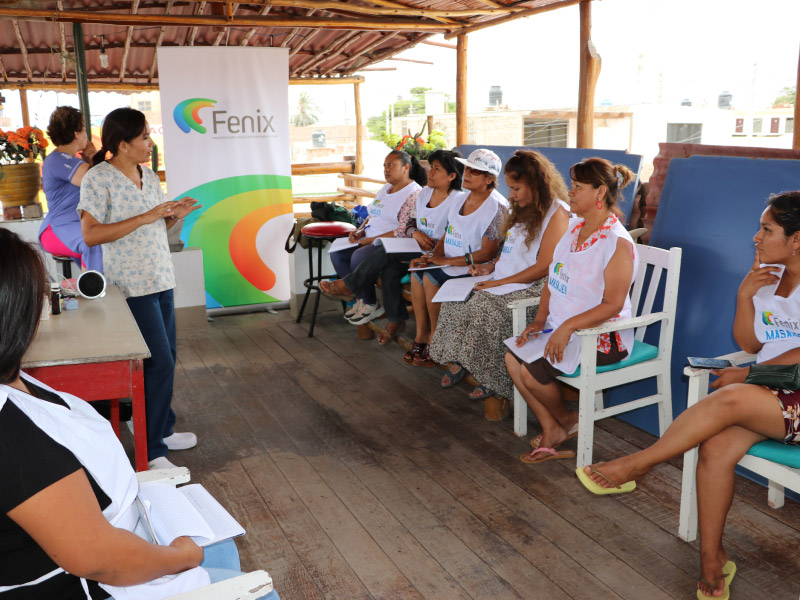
column 472, row 236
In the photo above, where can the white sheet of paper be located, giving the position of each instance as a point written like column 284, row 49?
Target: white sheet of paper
column 398, row 245
column 220, row 520
column 425, row 268
column 458, row 290
column 340, row 244
column 531, row 351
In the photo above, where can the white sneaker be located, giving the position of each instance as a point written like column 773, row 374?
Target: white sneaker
column 370, row 312
column 160, row 463
column 181, row 441
column 353, row 309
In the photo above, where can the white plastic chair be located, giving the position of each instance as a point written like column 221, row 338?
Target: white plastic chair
column 778, row 476
column 643, row 362
column 248, row 586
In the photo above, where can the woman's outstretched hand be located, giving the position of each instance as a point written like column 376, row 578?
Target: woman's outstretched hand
column 184, row 206
column 728, row 376
column 757, row 278
column 162, row 211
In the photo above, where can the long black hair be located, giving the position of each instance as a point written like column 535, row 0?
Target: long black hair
column 416, row 171
column 22, row 290
column 120, row 125
column 447, row 158
column 785, row 209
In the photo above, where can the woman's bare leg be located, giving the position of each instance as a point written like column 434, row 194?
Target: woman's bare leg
column 545, row 401
column 752, row 407
column 420, row 311
column 433, row 307
column 715, row 478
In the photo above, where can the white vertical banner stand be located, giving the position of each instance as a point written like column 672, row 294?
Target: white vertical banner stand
column 226, row 136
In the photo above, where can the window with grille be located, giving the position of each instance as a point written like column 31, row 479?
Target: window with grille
column 684, row 133
column 757, row 125
column 548, row 133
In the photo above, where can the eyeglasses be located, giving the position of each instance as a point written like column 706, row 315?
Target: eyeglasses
column 472, row 171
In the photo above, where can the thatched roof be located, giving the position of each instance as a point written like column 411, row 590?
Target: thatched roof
column 325, row 38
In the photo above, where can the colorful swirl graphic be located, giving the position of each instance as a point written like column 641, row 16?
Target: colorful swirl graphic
column 766, row 317
column 186, row 114
column 557, row 268
column 240, row 218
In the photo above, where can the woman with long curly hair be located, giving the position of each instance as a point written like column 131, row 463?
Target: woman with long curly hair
column 470, row 334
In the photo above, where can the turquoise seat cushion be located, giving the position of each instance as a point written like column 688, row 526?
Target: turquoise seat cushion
column 406, row 279
column 784, row 454
column 641, row 352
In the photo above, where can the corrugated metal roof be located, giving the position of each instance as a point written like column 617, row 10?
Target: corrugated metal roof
column 325, row 37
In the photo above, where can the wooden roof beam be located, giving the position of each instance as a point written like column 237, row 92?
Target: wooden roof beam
column 369, row 47
column 378, row 57
column 193, row 31
column 128, row 37
column 222, row 30
column 512, row 17
column 24, row 51
column 288, row 37
column 159, row 39
column 263, row 12
column 131, row 20
column 324, row 55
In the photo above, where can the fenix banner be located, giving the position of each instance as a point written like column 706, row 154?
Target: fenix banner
column 226, row 136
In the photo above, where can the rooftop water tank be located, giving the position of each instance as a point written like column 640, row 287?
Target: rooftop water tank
column 495, row 96
column 725, row 99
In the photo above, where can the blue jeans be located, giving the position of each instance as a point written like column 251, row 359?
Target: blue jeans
column 155, row 316
column 221, row 560
column 346, row 261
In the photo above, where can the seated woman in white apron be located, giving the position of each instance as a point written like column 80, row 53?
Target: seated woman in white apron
column 472, row 235
column 469, row 335
column 589, row 278
column 404, row 176
column 68, row 493
column 726, row 423
column 422, row 217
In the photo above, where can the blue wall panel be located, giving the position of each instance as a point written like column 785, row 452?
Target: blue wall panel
column 564, row 158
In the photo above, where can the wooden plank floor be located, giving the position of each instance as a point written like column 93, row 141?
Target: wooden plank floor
column 357, row 476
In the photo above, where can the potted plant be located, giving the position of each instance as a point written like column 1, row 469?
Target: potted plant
column 416, row 145
column 20, row 175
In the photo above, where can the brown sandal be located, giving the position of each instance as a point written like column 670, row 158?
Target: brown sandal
column 416, row 350
column 390, row 332
column 336, row 289
column 423, row 359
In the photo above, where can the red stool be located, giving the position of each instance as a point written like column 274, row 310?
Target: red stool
column 318, row 234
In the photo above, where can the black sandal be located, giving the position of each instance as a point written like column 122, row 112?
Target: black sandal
column 417, row 349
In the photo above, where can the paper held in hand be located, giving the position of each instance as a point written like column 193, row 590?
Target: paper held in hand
column 167, row 512
column 340, row 244
column 398, row 245
column 458, row 289
column 531, row 350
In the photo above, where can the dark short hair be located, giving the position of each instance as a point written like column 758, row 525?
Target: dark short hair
column 22, row 290
column 415, row 171
column 447, row 158
column 785, row 209
column 120, row 125
column 65, row 122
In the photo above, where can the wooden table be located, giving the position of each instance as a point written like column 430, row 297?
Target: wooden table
column 95, row 353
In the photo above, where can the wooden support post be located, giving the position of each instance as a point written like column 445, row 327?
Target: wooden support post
column 26, row 115
column 590, row 70
column 359, row 167
column 430, row 124
column 461, row 90
column 796, row 134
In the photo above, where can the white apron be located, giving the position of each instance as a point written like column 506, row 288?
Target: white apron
column 465, row 232
column 383, row 210
column 776, row 321
column 576, row 284
column 516, row 256
column 432, row 221
column 91, row 439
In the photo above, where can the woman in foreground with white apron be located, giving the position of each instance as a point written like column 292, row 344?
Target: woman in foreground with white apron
column 588, row 282
column 404, row 176
column 68, row 494
column 423, row 217
column 471, row 235
column 470, row 334
column 726, row 423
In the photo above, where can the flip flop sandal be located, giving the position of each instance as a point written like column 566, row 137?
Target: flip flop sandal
column 550, row 454
column 572, row 433
column 453, row 378
column 729, row 570
column 330, row 288
column 424, row 359
column 598, row 489
column 416, row 350
column 389, row 334
column 484, row 392
column 726, row 592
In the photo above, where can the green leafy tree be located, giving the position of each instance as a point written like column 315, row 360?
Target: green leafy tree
column 415, row 106
column 788, row 95
column 307, row 111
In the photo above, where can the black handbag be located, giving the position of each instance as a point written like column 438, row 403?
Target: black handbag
column 330, row 211
column 782, row 377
